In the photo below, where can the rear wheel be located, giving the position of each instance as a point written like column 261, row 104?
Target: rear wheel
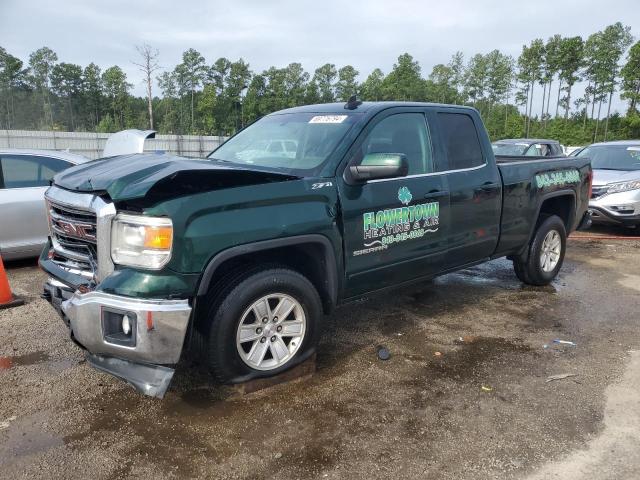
column 263, row 323
column 545, row 255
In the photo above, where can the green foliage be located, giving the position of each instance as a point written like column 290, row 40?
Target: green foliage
column 631, row 78
column 439, row 85
column 404, row 82
column 107, row 125
column 116, row 90
column 217, row 99
column 324, row 77
column 347, row 84
column 571, row 55
column 371, row 89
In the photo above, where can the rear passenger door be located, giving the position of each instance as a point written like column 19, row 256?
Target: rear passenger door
column 23, row 181
column 475, row 188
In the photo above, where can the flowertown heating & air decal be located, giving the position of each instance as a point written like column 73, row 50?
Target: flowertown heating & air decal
column 386, row 227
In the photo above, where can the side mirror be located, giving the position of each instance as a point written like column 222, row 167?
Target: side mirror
column 376, row 166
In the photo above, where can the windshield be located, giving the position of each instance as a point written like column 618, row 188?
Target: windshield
column 294, row 142
column 509, row 148
column 613, row 157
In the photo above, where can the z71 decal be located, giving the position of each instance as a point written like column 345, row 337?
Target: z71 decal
column 386, row 227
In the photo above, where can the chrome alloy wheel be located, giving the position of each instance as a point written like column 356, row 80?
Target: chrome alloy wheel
column 550, row 251
column 271, row 331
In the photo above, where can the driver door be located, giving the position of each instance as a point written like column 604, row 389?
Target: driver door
column 395, row 229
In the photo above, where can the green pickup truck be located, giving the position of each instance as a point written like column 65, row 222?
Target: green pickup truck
column 237, row 257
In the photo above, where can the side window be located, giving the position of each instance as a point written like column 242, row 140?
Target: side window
column 403, row 133
column 22, row 171
column 533, row 150
column 460, row 140
column 544, row 150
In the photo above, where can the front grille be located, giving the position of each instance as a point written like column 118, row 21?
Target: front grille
column 598, row 191
column 74, row 238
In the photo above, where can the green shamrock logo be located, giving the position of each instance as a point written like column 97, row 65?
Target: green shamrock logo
column 404, row 195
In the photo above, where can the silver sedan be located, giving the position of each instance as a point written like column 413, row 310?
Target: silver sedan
column 24, row 177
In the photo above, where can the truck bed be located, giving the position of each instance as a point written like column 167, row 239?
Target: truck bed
column 511, row 159
column 522, row 197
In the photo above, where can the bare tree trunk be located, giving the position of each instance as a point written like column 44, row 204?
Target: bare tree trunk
column 568, row 105
column 191, row 127
column 595, row 136
column 9, row 112
column 606, row 123
column 632, row 106
column 148, row 66
column 544, row 96
column 530, row 108
column 546, row 115
column 506, row 112
column 558, row 100
column 73, row 123
column 150, row 102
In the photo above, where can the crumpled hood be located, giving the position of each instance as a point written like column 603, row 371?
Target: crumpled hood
column 128, row 177
column 603, row 177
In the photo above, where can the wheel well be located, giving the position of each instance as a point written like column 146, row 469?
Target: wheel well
column 309, row 259
column 562, row 206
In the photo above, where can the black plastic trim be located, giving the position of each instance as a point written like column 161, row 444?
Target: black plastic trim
column 330, row 259
column 543, row 198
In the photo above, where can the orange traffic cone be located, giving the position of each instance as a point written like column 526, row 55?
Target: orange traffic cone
column 7, row 299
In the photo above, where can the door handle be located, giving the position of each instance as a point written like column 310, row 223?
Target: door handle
column 487, row 187
column 436, row 194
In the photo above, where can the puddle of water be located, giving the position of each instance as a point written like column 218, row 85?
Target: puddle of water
column 472, row 355
column 22, row 360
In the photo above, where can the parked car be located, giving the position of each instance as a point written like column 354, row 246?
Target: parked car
column 573, row 151
column 615, row 197
column 528, row 147
column 24, row 177
column 237, row 261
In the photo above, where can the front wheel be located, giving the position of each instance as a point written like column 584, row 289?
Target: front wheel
column 263, row 324
column 546, row 253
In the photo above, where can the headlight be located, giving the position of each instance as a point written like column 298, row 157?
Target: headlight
column 140, row 241
column 623, row 186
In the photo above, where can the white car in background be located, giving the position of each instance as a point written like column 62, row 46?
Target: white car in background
column 24, row 177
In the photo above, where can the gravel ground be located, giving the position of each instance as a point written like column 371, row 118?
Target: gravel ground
column 464, row 396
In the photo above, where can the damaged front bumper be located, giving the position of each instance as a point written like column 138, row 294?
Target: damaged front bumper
column 136, row 340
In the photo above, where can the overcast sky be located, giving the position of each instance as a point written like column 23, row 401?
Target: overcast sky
column 365, row 34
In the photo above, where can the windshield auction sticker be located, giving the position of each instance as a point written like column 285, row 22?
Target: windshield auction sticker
column 383, row 228
column 559, row 178
column 328, row 119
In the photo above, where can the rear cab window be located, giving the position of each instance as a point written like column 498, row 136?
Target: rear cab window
column 461, row 141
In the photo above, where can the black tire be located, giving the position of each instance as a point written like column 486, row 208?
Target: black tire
column 530, row 271
column 227, row 306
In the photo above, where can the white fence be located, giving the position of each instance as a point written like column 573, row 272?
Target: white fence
column 91, row 144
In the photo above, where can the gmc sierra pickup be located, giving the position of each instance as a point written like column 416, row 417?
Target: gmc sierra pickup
column 236, row 257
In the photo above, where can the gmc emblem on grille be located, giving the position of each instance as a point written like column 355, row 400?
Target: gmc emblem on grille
column 77, row 230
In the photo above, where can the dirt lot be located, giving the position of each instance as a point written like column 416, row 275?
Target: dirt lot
column 464, row 396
